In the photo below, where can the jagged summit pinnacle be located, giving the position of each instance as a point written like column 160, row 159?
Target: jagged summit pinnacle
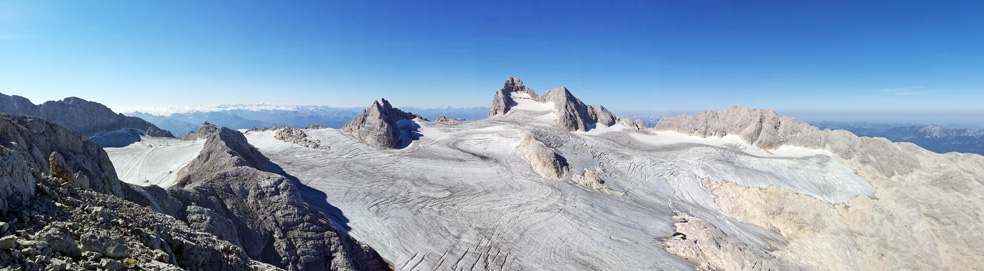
column 503, row 98
column 572, row 113
column 377, row 125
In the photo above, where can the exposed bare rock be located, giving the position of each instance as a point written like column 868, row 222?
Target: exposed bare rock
column 296, row 136
column 768, row 129
column 573, row 114
column 79, row 116
column 711, row 249
column 637, row 124
column 443, row 119
column 207, row 129
column 592, row 179
column 377, row 125
column 310, row 127
column 543, row 159
column 503, row 101
column 56, row 219
column 227, row 187
column 29, row 141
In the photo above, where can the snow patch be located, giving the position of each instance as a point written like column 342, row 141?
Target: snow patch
column 154, row 160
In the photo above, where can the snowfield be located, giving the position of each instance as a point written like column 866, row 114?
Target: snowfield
column 463, row 197
column 154, row 160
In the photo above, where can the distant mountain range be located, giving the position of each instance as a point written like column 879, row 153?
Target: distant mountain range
column 931, row 137
column 261, row 116
column 79, row 116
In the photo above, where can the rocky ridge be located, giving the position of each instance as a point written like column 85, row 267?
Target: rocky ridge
column 572, row 113
column 62, row 210
column 377, row 125
column 230, row 190
column 503, row 101
column 916, row 219
column 79, row 116
column 768, row 129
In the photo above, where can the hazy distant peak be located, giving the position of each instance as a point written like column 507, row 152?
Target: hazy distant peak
column 78, row 115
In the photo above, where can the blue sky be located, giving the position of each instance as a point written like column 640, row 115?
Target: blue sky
column 909, row 57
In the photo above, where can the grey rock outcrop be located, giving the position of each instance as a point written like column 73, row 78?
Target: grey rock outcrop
column 768, row 129
column 443, row 119
column 30, row 144
column 636, row 124
column 297, row 136
column 55, row 219
column 592, row 179
column 377, row 125
column 78, row 116
column 542, row 158
column 700, row 242
column 228, row 187
column 573, row 114
column 503, row 100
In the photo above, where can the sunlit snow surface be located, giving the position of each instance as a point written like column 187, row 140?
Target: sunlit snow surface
column 154, row 160
column 463, row 197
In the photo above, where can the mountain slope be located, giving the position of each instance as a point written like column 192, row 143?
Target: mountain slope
column 932, row 137
column 229, row 190
column 740, row 188
column 62, row 209
column 917, row 218
column 79, row 116
column 572, row 113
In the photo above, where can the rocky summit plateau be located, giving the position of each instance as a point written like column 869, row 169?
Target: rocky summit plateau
column 545, row 182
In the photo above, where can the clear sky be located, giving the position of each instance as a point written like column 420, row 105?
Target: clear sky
column 792, row 56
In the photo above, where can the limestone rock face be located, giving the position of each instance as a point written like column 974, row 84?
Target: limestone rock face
column 543, row 159
column 78, row 116
column 768, row 129
column 592, row 179
column 377, row 126
column 573, row 114
column 229, row 192
column 297, row 136
column 711, row 249
column 503, row 100
column 443, row 119
column 28, row 144
column 56, row 218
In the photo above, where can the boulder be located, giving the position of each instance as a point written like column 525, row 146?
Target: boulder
column 543, row 159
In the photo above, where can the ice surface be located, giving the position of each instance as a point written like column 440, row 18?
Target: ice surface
column 154, row 160
column 462, row 196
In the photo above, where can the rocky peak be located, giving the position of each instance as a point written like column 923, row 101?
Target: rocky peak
column 503, row 100
column 573, row 114
column 377, row 125
column 233, row 191
column 205, row 130
column 51, row 220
